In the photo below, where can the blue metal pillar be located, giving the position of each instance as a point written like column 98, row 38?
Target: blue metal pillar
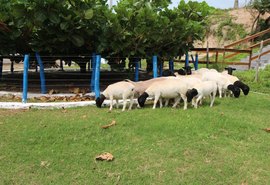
column 25, row 77
column 171, row 65
column 97, row 76
column 1, row 68
column 41, row 74
column 186, row 60
column 137, row 63
column 93, row 66
column 196, row 61
column 155, row 71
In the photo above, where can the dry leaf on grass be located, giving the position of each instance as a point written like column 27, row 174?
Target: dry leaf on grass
column 267, row 129
column 44, row 164
column 105, row 156
column 109, row 125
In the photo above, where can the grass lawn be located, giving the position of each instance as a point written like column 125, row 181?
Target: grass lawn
column 225, row 144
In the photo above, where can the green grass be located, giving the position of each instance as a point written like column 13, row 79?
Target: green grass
column 263, row 85
column 224, row 144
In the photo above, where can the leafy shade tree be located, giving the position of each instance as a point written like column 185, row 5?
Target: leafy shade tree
column 141, row 29
column 262, row 6
column 132, row 28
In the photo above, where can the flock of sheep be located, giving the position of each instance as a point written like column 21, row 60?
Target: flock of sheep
column 186, row 85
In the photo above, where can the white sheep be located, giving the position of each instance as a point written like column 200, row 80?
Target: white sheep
column 119, row 90
column 234, row 80
column 222, row 82
column 200, row 90
column 168, row 89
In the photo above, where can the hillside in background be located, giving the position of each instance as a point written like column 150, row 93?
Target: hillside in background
column 227, row 26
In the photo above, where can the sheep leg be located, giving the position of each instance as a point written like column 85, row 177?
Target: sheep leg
column 220, row 92
column 157, row 96
column 124, row 104
column 131, row 102
column 117, row 103
column 198, row 99
column 176, row 101
column 185, row 101
column 212, row 99
column 167, row 102
column 160, row 102
column 111, row 103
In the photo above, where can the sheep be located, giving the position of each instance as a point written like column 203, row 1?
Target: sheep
column 222, row 83
column 119, row 90
column 169, row 88
column 235, row 81
column 205, row 88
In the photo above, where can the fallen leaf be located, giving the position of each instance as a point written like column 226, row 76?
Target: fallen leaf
column 109, row 125
column 105, row 156
column 44, row 164
column 267, row 129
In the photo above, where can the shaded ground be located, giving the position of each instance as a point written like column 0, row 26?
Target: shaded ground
column 63, row 81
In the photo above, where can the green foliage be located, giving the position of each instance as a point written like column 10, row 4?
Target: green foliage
column 263, row 6
column 228, row 30
column 129, row 29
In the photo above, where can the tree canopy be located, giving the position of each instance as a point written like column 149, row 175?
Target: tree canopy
column 132, row 28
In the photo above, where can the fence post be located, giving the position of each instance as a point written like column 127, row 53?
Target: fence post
column 186, row 60
column 93, row 67
column 12, row 66
column 155, row 74
column 41, row 74
column 137, row 63
column 207, row 56
column 97, row 76
column 25, row 77
column 196, row 61
column 258, row 62
column 61, row 65
column 1, row 68
column 171, row 67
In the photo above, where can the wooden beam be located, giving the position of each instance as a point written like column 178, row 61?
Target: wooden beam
column 262, row 54
column 248, row 38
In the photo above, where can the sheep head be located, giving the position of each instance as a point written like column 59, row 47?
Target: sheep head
column 241, row 85
column 100, row 100
column 235, row 90
column 142, row 99
column 191, row 94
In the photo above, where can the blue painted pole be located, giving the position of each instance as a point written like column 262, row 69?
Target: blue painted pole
column 97, row 76
column 186, row 60
column 1, row 68
column 155, row 73
column 93, row 67
column 41, row 74
column 171, row 67
column 137, row 63
column 196, row 64
column 25, row 77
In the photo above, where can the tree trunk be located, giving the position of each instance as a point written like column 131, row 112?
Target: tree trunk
column 236, row 4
